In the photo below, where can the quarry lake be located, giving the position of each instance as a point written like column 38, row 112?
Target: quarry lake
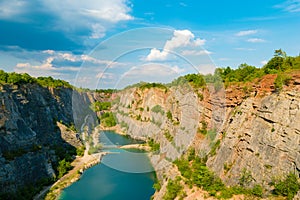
column 122, row 174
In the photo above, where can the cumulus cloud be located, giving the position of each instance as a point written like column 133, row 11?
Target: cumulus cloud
column 181, row 38
column 93, row 16
column 256, row 40
column 247, row 32
column 61, row 63
column 96, row 15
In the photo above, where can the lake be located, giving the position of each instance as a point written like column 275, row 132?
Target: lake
column 123, row 174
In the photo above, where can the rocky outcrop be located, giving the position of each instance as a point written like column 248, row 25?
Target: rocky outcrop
column 258, row 127
column 261, row 136
column 29, row 133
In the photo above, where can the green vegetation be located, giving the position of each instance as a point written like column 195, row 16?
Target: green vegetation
column 19, row 79
column 174, row 188
column 63, row 167
column 80, row 151
column 203, row 129
column 158, row 109
column 105, row 91
column 124, row 125
column 281, row 79
column 168, row 135
column 195, row 80
column 169, row 116
column 153, row 145
column 100, row 106
column 108, row 119
column 245, row 178
column 279, row 64
column 144, row 86
column 195, row 173
column 287, row 187
column 94, row 148
column 71, row 127
column 50, row 82
column 214, row 148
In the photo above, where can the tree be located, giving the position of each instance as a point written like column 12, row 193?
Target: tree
column 279, row 53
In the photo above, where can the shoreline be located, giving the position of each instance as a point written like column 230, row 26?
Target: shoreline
column 83, row 163
column 80, row 164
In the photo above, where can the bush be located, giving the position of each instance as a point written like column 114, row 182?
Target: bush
column 168, row 136
column 281, row 79
column 158, row 109
column 108, row 120
column 173, row 189
column 169, row 115
column 100, row 106
column 154, row 146
column 287, row 187
column 157, row 186
column 80, row 151
column 63, row 167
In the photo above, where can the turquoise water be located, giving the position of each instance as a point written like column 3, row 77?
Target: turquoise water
column 124, row 174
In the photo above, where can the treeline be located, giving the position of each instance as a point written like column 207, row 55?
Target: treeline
column 279, row 64
column 19, row 79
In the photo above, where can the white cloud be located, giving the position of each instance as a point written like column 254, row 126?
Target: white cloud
column 98, row 31
column 181, row 38
column 291, row 6
column 256, row 40
column 54, row 63
column 195, row 52
column 96, row 16
column 11, row 8
column 247, row 32
column 156, row 54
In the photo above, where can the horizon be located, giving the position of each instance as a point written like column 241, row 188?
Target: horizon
column 100, row 44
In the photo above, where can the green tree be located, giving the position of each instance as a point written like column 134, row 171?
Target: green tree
column 63, row 167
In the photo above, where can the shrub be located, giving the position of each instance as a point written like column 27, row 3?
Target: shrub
column 281, row 79
column 63, row 167
column 154, row 146
column 100, row 106
column 158, row 109
column 80, row 150
column 173, row 189
column 168, row 136
column 169, row 115
column 108, row 119
column 287, row 187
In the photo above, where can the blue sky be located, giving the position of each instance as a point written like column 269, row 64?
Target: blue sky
column 113, row 43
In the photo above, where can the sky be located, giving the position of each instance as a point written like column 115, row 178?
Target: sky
column 115, row 43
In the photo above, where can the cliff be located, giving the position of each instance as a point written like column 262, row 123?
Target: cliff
column 32, row 136
column 249, row 127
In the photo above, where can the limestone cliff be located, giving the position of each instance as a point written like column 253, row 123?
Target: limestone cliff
column 257, row 126
column 29, row 134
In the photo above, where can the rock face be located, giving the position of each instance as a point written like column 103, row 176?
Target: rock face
column 258, row 127
column 170, row 117
column 261, row 136
column 28, row 130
